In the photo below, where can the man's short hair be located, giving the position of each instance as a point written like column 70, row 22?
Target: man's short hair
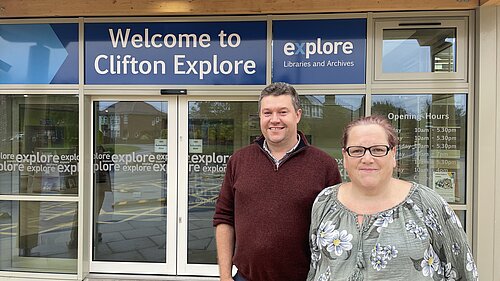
column 278, row 89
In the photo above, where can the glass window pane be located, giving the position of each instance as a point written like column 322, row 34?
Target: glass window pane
column 36, row 236
column 323, row 120
column 419, row 50
column 216, row 130
column 130, row 181
column 433, row 139
column 39, row 144
column 461, row 216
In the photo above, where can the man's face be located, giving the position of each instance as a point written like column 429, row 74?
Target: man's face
column 278, row 120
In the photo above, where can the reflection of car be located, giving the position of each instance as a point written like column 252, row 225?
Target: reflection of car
column 16, row 137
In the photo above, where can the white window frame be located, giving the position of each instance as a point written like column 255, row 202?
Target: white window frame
column 65, row 265
column 461, row 60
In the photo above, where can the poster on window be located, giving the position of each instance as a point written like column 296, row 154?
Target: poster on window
column 444, row 185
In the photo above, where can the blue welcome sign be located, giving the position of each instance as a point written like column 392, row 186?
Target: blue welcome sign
column 176, row 53
column 330, row 51
column 39, row 53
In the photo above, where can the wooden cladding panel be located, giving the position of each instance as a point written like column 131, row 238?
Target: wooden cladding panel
column 88, row 8
column 489, row 2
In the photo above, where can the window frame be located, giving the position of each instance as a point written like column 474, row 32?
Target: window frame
column 461, row 60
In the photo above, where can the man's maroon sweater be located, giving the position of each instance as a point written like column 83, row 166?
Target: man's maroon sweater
column 270, row 207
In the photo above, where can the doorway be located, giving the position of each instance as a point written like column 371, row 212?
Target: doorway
column 158, row 164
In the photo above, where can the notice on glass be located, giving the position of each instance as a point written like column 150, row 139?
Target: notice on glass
column 444, row 184
column 160, row 145
column 195, row 145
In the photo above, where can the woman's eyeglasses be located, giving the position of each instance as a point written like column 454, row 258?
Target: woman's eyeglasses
column 375, row 151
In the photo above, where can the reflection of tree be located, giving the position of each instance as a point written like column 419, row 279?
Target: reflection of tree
column 438, row 126
column 210, row 109
column 216, row 124
column 460, row 112
column 386, row 107
column 5, row 127
column 223, row 126
column 217, row 134
column 406, row 135
column 445, row 105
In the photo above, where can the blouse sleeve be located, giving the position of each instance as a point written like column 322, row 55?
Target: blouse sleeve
column 318, row 209
column 448, row 240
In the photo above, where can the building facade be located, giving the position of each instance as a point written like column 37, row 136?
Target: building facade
column 115, row 131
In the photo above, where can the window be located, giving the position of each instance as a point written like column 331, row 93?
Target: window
column 330, row 113
column 39, row 144
column 424, row 49
column 38, row 236
column 432, row 133
column 39, row 157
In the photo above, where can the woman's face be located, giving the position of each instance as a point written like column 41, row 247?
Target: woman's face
column 369, row 171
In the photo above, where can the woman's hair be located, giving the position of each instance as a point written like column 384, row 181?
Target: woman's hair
column 373, row 120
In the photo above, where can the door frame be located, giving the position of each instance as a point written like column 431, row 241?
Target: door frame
column 169, row 267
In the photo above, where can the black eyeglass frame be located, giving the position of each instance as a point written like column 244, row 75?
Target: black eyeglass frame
column 388, row 148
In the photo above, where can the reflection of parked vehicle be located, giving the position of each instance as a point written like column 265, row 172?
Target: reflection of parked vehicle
column 17, row 136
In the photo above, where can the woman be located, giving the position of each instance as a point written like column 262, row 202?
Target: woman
column 377, row 227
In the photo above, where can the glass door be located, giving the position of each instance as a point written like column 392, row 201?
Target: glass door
column 211, row 129
column 134, row 190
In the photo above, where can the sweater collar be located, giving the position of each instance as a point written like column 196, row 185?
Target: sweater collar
column 302, row 142
column 266, row 149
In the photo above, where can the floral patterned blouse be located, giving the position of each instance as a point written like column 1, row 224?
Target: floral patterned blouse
column 419, row 239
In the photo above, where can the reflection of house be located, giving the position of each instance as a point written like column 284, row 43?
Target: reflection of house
column 312, row 107
column 124, row 122
column 318, row 111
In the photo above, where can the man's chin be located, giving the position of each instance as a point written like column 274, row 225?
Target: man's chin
column 275, row 139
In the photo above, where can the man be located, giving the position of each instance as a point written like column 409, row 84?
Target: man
column 262, row 215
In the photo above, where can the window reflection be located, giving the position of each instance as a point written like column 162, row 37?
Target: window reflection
column 130, row 181
column 323, row 120
column 419, row 50
column 39, row 144
column 216, row 130
column 35, row 236
column 462, row 217
column 432, row 131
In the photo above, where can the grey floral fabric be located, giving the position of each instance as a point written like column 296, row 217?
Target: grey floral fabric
column 419, row 239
